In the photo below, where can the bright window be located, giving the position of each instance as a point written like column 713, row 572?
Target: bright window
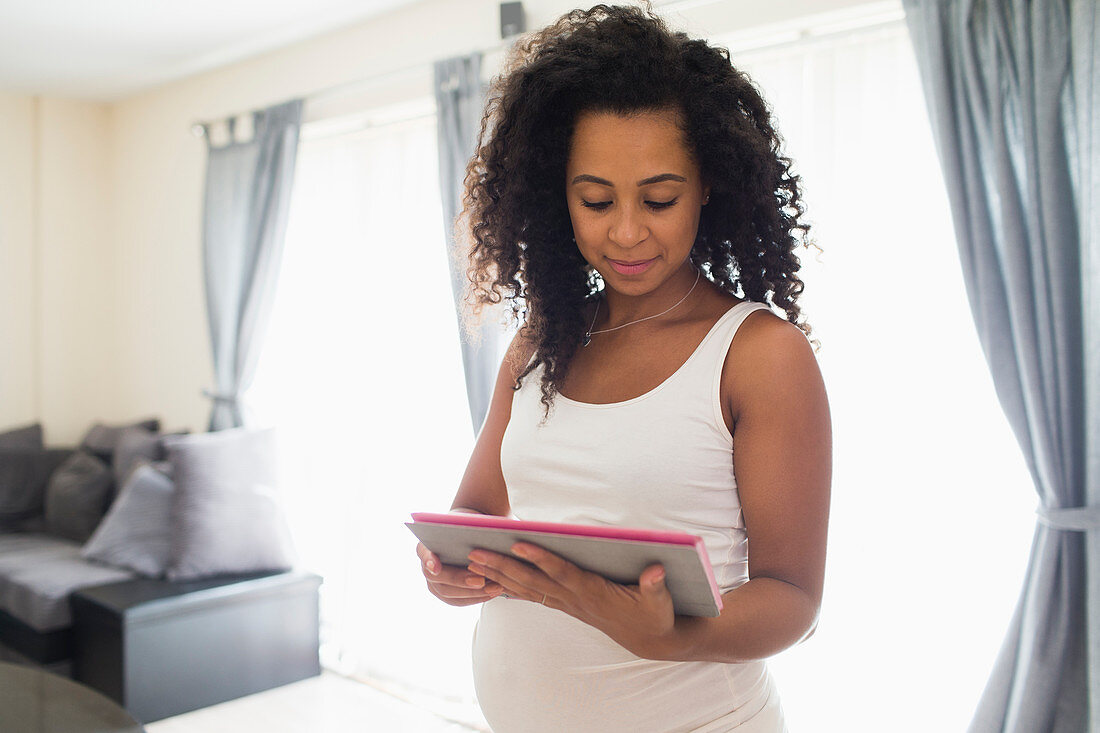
column 362, row 373
column 932, row 504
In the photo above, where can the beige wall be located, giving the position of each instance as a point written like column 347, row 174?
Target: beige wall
column 56, row 280
column 77, row 287
column 19, row 384
column 100, row 207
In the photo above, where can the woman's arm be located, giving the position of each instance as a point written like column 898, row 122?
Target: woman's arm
column 782, row 447
column 482, row 489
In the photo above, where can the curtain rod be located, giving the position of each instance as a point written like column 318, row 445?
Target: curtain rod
column 768, row 44
column 344, row 86
column 198, row 127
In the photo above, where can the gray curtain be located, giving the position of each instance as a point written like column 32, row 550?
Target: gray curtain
column 460, row 99
column 244, row 222
column 1012, row 92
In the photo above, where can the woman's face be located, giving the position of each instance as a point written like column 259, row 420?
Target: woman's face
column 634, row 198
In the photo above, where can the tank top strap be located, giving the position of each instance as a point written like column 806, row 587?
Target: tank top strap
column 711, row 353
column 705, row 367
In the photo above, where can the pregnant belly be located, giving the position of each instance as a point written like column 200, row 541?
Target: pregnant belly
column 539, row 669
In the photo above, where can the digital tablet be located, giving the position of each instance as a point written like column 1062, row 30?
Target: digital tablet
column 619, row 554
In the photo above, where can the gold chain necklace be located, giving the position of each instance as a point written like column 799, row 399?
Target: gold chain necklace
column 588, row 334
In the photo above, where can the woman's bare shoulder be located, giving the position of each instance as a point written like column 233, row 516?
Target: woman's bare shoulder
column 766, row 349
column 766, row 339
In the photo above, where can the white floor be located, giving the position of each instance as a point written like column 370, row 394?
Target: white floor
column 330, row 703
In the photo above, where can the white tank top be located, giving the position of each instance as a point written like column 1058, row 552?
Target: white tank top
column 662, row 460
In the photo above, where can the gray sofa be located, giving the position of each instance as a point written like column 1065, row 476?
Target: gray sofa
column 38, row 570
column 159, row 647
column 38, row 573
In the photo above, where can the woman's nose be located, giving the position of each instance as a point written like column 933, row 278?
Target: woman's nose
column 627, row 228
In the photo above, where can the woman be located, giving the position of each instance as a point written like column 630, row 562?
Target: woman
column 627, row 185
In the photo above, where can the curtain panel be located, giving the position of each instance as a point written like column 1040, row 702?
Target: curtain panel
column 1011, row 90
column 460, row 100
column 248, row 185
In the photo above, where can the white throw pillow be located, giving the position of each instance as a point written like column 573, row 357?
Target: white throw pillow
column 226, row 513
column 136, row 532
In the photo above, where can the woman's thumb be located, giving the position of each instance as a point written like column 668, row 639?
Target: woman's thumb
column 656, row 580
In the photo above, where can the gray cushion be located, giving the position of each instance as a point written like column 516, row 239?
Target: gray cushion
column 37, row 574
column 34, row 524
column 29, row 436
column 12, row 543
column 136, row 531
column 226, row 516
column 101, row 439
column 77, row 496
column 24, row 473
column 134, row 444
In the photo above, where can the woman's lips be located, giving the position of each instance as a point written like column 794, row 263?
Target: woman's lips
column 631, row 268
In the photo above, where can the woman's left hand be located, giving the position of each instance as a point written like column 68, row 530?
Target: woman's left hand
column 639, row 617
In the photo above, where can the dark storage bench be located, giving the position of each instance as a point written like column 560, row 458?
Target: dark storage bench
column 162, row 648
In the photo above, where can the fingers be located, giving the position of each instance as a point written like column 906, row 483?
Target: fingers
column 450, row 593
column 520, row 579
column 459, row 596
column 431, row 566
column 429, row 563
column 463, row 602
column 455, row 577
column 452, row 584
column 534, row 568
column 462, row 588
column 555, row 566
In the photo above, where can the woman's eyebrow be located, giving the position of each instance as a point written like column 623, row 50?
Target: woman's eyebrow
column 644, row 182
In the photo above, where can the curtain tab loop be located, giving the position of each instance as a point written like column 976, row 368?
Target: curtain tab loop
column 1072, row 519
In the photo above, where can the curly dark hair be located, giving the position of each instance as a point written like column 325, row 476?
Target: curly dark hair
column 515, row 216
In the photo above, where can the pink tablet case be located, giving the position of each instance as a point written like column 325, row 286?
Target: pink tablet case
column 618, row 553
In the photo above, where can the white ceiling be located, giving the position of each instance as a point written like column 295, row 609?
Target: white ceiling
column 110, row 49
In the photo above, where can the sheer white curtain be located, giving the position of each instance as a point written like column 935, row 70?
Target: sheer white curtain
column 927, row 548
column 363, row 376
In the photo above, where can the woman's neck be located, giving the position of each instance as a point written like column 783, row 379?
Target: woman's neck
column 617, row 308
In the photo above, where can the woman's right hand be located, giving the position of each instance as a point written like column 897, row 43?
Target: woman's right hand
column 455, row 586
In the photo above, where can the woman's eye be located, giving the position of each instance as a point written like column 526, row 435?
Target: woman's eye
column 601, row 205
